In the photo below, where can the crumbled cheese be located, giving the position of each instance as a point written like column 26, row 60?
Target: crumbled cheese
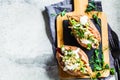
column 62, row 49
column 71, row 67
column 76, row 53
column 65, row 52
column 85, row 41
column 87, row 33
column 87, row 64
column 68, row 63
column 83, row 20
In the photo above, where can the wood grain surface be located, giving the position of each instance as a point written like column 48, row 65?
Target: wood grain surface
column 79, row 9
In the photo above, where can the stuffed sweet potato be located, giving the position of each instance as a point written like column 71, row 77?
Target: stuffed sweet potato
column 85, row 32
column 73, row 60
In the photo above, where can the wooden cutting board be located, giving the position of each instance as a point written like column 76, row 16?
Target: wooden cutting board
column 79, row 9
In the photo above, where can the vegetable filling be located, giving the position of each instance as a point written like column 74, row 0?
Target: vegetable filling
column 72, row 60
column 81, row 30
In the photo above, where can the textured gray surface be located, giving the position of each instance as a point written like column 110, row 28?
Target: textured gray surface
column 25, row 49
column 112, row 10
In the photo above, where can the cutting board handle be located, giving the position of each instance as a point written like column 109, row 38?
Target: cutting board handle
column 80, row 8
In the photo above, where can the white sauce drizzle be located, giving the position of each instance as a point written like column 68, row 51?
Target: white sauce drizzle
column 83, row 20
column 85, row 41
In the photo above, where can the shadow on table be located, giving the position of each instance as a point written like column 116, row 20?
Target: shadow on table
column 52, row 70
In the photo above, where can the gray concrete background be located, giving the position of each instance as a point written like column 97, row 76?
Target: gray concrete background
column 112, row 10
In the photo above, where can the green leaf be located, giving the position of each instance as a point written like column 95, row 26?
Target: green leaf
column 98, row 75
column 91, row 6
column 107, row 66
column 89, row 9
column 53, row 14
column 97, row 67
column 96, row 53
column 96, row 19
column 78, row 60
column 112, row 71
column 82, row 69
column 73, row 22
column 89, row 46
column 96, row 61
column 94, row 16
column 63, row 13
column 81, row 33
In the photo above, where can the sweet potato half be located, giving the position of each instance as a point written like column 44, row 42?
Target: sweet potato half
column 82, row 56
column 86, row 34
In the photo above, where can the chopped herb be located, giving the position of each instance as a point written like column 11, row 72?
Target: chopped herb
column 91, row 6
column 95, row 17
column 76, row 28
column 78, row 60
column 112, row 71
column 90, row 38
column 96, row 61
column 80, row 33
column 96, row 52
column 97, row 67
column 82, row 69
column 89, row 46
column 53, row 14
column 63, row 13
column 98, row 75
column 73, row 22
column 107, row 66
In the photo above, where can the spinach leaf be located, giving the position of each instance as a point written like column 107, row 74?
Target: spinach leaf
column 89, row 46
column 98, row 74
column 112, row 71
column 73, row 22
column 97, row 67
column 95, row 17
column 63, row 13
column 107, row 66
column 53, row 14
column 79, row 33
column 96, row 61
column 91, row 6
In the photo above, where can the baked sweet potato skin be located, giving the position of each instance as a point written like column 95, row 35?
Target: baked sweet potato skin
column 95, row 33
column 91, row 28
column 83, row 57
